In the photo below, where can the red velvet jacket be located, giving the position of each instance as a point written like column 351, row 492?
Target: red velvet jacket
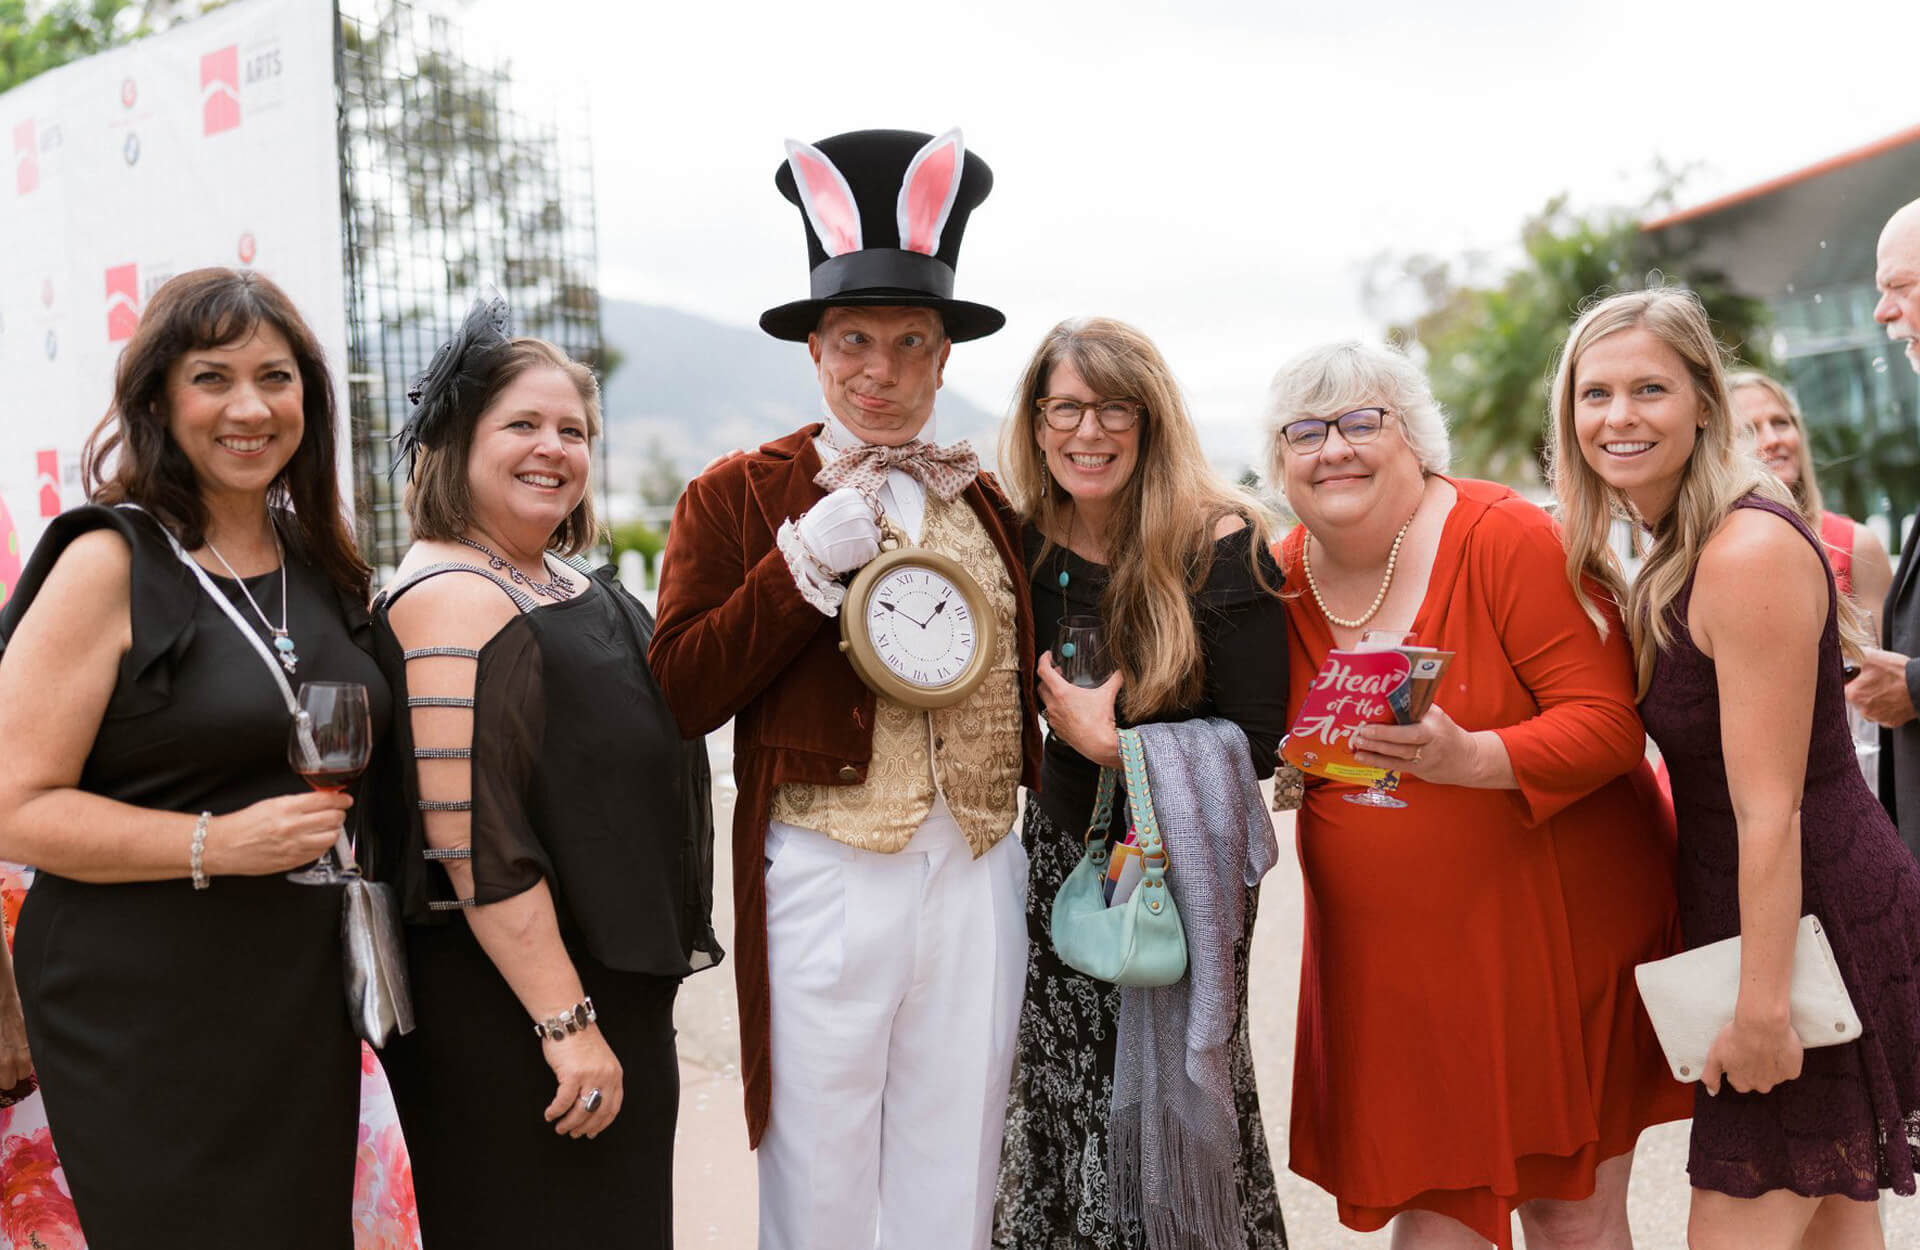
column 736, row 640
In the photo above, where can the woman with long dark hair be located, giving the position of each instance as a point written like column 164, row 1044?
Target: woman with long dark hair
column 183, row 998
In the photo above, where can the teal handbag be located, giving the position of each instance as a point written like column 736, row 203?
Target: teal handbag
column 1140, row 941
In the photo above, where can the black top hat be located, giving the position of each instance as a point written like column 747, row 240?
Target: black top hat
column 884, row 211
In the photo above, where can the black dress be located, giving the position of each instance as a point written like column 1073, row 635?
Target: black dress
column 1054, row 1190
column 202, row 1079
column 1850, row 1122
column 579, row 778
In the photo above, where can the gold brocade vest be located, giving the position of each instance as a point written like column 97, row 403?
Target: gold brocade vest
column 972, row 747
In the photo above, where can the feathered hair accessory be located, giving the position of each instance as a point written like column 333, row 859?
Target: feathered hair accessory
column 456, row 374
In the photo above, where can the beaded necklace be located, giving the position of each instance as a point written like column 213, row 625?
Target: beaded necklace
column 1393, row 558
column 558, row 585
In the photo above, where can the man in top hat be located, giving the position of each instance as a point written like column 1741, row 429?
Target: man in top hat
column 880, row 944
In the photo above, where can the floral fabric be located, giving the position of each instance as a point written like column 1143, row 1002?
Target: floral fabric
column 36, row 1211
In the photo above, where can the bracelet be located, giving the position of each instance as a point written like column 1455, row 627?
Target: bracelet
column 197, row 857
column 574, row 1019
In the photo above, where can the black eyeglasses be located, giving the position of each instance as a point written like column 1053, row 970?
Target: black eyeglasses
column 1309, row 434
column 1116, row 416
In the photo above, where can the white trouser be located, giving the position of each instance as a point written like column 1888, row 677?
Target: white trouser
column 896, row 983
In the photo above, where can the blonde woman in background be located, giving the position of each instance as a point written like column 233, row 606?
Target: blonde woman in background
column 1765, row 411
column 1738, row 658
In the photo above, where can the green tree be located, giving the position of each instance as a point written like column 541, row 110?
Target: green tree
column 1490, row 338
column 35, row 38
column 641, row 537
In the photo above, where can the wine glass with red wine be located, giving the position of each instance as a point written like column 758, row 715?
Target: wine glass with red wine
column 329, row 745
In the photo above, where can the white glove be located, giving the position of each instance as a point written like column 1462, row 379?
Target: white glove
column 840, row 531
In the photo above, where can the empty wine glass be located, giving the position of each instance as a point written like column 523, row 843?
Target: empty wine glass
column 329, row 745
column 1080, row 651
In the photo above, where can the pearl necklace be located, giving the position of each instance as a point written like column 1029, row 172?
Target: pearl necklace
column 1393, row 557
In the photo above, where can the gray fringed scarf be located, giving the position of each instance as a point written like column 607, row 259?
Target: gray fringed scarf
column 1173, row 1134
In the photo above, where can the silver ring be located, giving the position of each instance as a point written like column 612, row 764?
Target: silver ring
column 591, row 1100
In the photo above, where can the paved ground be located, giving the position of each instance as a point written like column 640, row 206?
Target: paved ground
column 714, row 1172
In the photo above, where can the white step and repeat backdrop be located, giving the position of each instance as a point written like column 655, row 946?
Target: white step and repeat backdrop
column 212, row 144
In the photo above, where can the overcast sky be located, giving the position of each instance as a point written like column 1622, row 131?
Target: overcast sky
column 1217, row 173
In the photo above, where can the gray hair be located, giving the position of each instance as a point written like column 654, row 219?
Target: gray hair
column 1339, row 377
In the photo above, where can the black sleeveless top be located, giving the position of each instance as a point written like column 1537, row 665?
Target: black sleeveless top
column 195, row 721
column 580, row 778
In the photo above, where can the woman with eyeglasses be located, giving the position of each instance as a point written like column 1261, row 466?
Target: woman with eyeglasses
column 1470, row 1041
column 1125, row 522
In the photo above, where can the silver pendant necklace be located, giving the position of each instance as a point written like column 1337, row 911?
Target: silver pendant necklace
column 282, row 642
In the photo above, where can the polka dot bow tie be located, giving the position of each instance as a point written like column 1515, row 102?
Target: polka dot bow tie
column 943, row 470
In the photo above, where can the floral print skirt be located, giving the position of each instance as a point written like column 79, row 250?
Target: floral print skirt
column 1054, row 1192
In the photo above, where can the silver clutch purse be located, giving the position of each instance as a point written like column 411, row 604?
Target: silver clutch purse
column 1690, row 997
column 376, row 962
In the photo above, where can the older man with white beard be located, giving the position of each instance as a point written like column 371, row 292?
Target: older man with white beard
column 1888, row 686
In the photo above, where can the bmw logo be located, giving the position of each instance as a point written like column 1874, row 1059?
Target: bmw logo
column 131, row 148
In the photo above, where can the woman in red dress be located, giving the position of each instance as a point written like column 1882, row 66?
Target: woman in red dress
column 1471, row 1044
column 1766, row 412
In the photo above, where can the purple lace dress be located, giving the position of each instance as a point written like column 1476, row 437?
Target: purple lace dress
column 1850, row 1124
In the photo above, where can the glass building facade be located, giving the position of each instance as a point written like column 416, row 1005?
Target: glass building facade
column 1805, row 244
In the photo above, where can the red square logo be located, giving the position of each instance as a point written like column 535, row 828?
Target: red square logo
column 220, row 89
column 26, row 157
column 123, row 302
column 46, row 468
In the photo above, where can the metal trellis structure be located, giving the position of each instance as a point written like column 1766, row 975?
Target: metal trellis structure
column 449, row 187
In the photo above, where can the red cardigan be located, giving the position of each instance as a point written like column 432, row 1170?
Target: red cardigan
column 736, row 641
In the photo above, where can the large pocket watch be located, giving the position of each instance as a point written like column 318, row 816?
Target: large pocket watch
column 915, row 626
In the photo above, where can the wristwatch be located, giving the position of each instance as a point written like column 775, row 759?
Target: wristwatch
column 573, row 1020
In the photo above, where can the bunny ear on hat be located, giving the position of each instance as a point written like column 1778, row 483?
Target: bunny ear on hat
column 885, row 214
column 927, row 192
column 825, row 197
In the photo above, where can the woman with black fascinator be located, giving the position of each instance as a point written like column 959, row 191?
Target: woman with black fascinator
column 555, row 854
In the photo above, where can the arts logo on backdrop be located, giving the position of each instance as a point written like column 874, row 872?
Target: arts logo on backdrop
column 26, row 157
column 220, row 89
column 123, row 302
column 46, row 470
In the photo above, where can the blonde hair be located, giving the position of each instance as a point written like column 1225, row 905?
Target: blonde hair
column 1162, row 522
column 1806, row 490
column 1718, row 474
column 1338, row 377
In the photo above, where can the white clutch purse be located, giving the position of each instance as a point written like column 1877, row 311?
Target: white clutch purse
column 1690, row 997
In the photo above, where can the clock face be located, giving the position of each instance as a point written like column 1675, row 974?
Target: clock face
column 920, row 627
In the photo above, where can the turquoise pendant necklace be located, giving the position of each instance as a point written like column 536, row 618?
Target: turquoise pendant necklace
column 282, row 642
